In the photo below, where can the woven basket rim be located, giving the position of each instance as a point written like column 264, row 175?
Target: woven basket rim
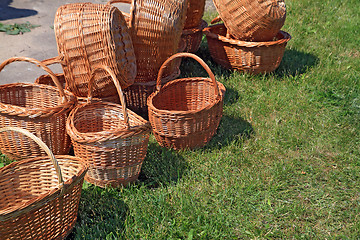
column 209, row 33
column 36, row 112
column 179, row 81
column 103, row 136
column 42, row 199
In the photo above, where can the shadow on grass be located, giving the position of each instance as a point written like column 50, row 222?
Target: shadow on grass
column 7, row 12
column 229, row 130
column 295, row 62
column 162, row 166
column 100, row 212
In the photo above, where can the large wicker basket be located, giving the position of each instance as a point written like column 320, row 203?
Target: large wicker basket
column 193, row 36
column 155, row 27
column 194, row 13
column 88, row 35
column 40, row 196
column 251, row 57
column 40, row 109
column 185, row 113
column 110, row 138
column 252, row 20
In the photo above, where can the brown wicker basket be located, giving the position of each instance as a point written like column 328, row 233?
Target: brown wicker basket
column 185, row 113
column 155, row 27
column 46, row 79
column 40, row 109
column 194, row 13
column 110, row 138
column 252, row 20
column 40, row 196
column 192, row 37
column 251, row 57
column 88, row 35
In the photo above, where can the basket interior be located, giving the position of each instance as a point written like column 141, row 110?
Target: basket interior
column 23, row 181
column 30, row 96
column 188, row 94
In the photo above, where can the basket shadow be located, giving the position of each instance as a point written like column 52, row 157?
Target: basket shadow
column 162, row 166
column 100, row 212
column 7, row 12
column 295, row 62
column 229, row 130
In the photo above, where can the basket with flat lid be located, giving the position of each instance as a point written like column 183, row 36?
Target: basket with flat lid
column 186, row 112
column 40, row 196
column 110, row 138
column 38, row 108
column 252, row 20
column 90, row 34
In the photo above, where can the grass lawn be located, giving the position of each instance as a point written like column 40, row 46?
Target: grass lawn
column 285, row 163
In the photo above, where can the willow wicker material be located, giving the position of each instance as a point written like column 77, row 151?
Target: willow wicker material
column 110, row 138
column 251, row 57
column 155, row 27
column 46, row 79
column 88, row 35
column 192, row 37
column 40, row 196
column 185, row 113
column 252, row 20
column 40, row 109
column 194, row 13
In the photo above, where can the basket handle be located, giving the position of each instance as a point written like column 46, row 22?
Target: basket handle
column 41, row 65
column 44, row 147
column 118, row 88
column 199, row 60
column 218, row 19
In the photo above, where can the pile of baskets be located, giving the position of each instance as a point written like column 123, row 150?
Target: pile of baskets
column 250, row 39
column 117, row 67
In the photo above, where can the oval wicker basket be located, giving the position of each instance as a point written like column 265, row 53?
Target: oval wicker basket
column 185, row 113
column 40, row 196
column 110, row 138
column 192, row 37
column 252, row 20
column 251, row 57
column 40, row 109
column 88, row 35
column 194, row 13
column 155, row 27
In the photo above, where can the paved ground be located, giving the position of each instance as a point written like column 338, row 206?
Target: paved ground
column 40, row 43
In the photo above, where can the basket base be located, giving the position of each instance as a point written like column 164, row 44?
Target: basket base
column 121, row 182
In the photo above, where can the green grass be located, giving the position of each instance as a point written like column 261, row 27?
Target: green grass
column 285, row 163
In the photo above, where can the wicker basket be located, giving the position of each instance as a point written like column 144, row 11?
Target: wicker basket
column 40, row 196
column 46, row 79
column 251, row 57
column 192, row 37
column 252, row 20
column 194, row 13
column 88, row 35
column 155, row 27
column 40, row 109
column 185, row 113
column 110, row 138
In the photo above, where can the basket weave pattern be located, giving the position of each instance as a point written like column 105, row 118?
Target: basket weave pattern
column 252, row 57
column 194, row 13
column 192, row 37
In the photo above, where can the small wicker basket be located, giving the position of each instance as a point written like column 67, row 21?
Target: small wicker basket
column 185, row 113
column 193, row 36
column 110, row 138
column 40, row 196
column 251, row 57
column 252, row 20
column 40, row 109
column 90, row 34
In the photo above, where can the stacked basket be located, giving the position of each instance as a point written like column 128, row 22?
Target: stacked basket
column 250, row 39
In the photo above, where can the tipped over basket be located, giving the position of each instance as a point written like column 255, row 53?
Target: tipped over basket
column 40, row 196
column 110, row 138
column 185, row 113
column 38, row 108
column 251, row 57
